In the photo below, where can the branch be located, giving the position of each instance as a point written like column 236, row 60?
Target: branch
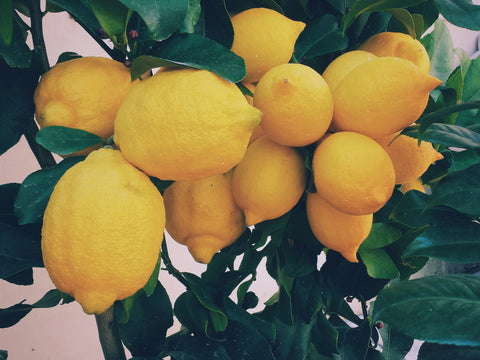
column 109, row 336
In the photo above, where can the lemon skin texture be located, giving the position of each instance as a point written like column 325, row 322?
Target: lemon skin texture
column 102, row 230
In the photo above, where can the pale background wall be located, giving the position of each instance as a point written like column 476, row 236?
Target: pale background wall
column 66, row 332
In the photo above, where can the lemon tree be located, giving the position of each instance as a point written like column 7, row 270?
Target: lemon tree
column 330, row 146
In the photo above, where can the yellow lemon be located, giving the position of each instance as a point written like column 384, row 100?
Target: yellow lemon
column 413, row 185
column 409, row 159
column 185, row 124
column 83, row 93
column 202, row 215
column 336, row 230
column 353, row 173
column 264, row 38
column 269, row 181
column 398, row 45
column 381, row 96
column 102, row 230
column 296, row 104
column 343, row 64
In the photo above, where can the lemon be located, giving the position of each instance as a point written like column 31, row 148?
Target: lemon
column 296, row 104
column 83, row 93
column 413, row 185
column 257, row 131
column 381, row 96
column 336, row 230
column 353, row 173
column 343, row 64
column 398, row 45
column 203, row 215
column 264, row 38
column 410, row 160
column 269, row 181
column 102, row 230
column 185, row 124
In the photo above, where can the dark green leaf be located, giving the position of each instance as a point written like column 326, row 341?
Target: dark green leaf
column 341, row 5
column 411, row 210
column 406, row 19
column 16, row 54
column 293, row 341
column 307, row 296
column 150, row 318
column 64, row 141
column 379, row 264
column 363, row 6
column 68, row 55
column 193, row 51
column 459, row 190
column 429, row 351
column 192, row 314
column 245, row 342
column 113, row 16
column 321, row 36
column 8, row 193
column 439, row 46
column 450, row 240
column 162, row 17
column 13, row 314
column 35, row 191
column 19, row 250
column 192, row 16
column 433, row 308
column 460, row 160
column 395, row 344
column 217, row 25
column 354, row 342
column 6, row 21
column 450, row 135
column 183, row 346
column 462, row 13
column 24, row 277
column 380, row 236
column 3, row 354
column 324, row 336
column 16, row 104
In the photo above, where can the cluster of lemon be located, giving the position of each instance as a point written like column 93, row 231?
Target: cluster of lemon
column 233, row 158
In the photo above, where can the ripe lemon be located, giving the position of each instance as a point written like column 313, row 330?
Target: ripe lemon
column 264, row 38
column 343, row 64
column 413, row 185
column 202, row 215
column 269, row 181
column 102, row 230
column 296, row 104
column 398, row 45
column 353, row 173
column 381, row 96
column 83, row 93
column 185, row 124
column 336, row 230
column 409, row 159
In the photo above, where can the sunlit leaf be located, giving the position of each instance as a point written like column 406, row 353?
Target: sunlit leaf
column 439, row 46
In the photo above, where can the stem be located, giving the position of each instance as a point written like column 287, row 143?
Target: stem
column 43, row 156
column 109, row 336
column 169, row 266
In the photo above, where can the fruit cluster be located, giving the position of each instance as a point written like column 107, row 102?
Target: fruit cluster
column 233, row 157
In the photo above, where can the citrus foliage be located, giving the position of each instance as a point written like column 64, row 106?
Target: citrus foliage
column 310, row 316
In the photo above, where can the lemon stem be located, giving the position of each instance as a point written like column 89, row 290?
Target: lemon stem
column 109, row 336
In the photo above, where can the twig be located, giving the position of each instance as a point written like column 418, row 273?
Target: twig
column 109, row 336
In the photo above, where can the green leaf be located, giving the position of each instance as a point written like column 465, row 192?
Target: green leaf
column 395, row 344
column 24, row 277
column 6, row 21
column 3, row 354
column 411, row 210
column 192, row 16
column 19, row 250
column 470, row 92
column 433, row 308
column 162, row 17
column 193, row 51
column 439, row 46
column 151, row 284
column 68, row 55
column 16, row 104
column 324, row 336
column 217, row 24
column 341, row 5
column 354, row 342
column 379, row 264
column 192, row 314
column 35, row 191
column 293, row 341
column 320, row 36
column 150, row 318
column 113, row 16
column 462, row 13
column 406, row 19
column 380, row 236
column 81, row 12
column 429, row 351
column 364, row 6
column 450, row 135
column 16, row 54
column 459, row 190
column 13, row 314
column 460, row 160
column 449, row 240
column 184, row 346
column 65, row 141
